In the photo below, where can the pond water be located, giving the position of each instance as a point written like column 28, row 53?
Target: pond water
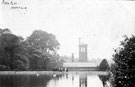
column 65, row 80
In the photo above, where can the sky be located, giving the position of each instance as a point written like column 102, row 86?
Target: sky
column 100, row 23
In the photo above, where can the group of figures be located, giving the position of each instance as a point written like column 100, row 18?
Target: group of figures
column 61, row 69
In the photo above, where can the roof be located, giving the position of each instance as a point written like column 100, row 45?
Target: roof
column 79, row 64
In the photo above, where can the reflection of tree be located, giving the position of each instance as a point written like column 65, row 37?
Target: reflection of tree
column 40, row 80
column 24, row 80
column 104, row 78
column 83, row 80
column 14, row 80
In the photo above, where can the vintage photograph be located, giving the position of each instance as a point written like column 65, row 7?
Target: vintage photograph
column 67, row 43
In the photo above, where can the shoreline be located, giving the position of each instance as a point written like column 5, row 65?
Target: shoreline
column 52, row 72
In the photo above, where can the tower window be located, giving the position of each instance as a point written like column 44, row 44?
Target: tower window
column 82, row 49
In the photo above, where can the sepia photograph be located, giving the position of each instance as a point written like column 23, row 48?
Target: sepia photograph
column 67, row 43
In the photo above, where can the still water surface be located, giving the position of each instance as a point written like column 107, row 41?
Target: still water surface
column 65, row 80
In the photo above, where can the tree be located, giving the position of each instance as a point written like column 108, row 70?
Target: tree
column 33, row 55
column 5, row 31
column 37, row 52
column 104, row 65
column 124, row 68
column 44, row 41
column 11, row 51
column 42, row 46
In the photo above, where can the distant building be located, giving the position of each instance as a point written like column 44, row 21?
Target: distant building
column 80, row 66
column 82, row 52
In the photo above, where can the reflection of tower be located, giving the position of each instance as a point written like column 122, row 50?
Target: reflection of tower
column 82, row 51
column 83, row 80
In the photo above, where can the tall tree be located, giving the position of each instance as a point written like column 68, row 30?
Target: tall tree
column 124, row 68
column 42, row 45
column 43, row 41
column 10, row 49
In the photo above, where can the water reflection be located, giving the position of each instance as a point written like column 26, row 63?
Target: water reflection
column 83, row 80
column 65, row 80
column 24, row 80
column 104, row 79
column 77, row 80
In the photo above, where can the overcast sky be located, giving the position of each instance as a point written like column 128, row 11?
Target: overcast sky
column 101, row 24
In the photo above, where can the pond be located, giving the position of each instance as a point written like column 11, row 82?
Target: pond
column 52, row 80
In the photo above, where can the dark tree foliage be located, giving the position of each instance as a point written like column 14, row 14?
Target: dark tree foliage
column 37, row 52
column 104, row 65
column 124, row 68
column 44, row 41
column 104, row 78
column 11, row 56
column 42, row 48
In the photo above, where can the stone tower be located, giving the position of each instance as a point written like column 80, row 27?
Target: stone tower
column 82, row 51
